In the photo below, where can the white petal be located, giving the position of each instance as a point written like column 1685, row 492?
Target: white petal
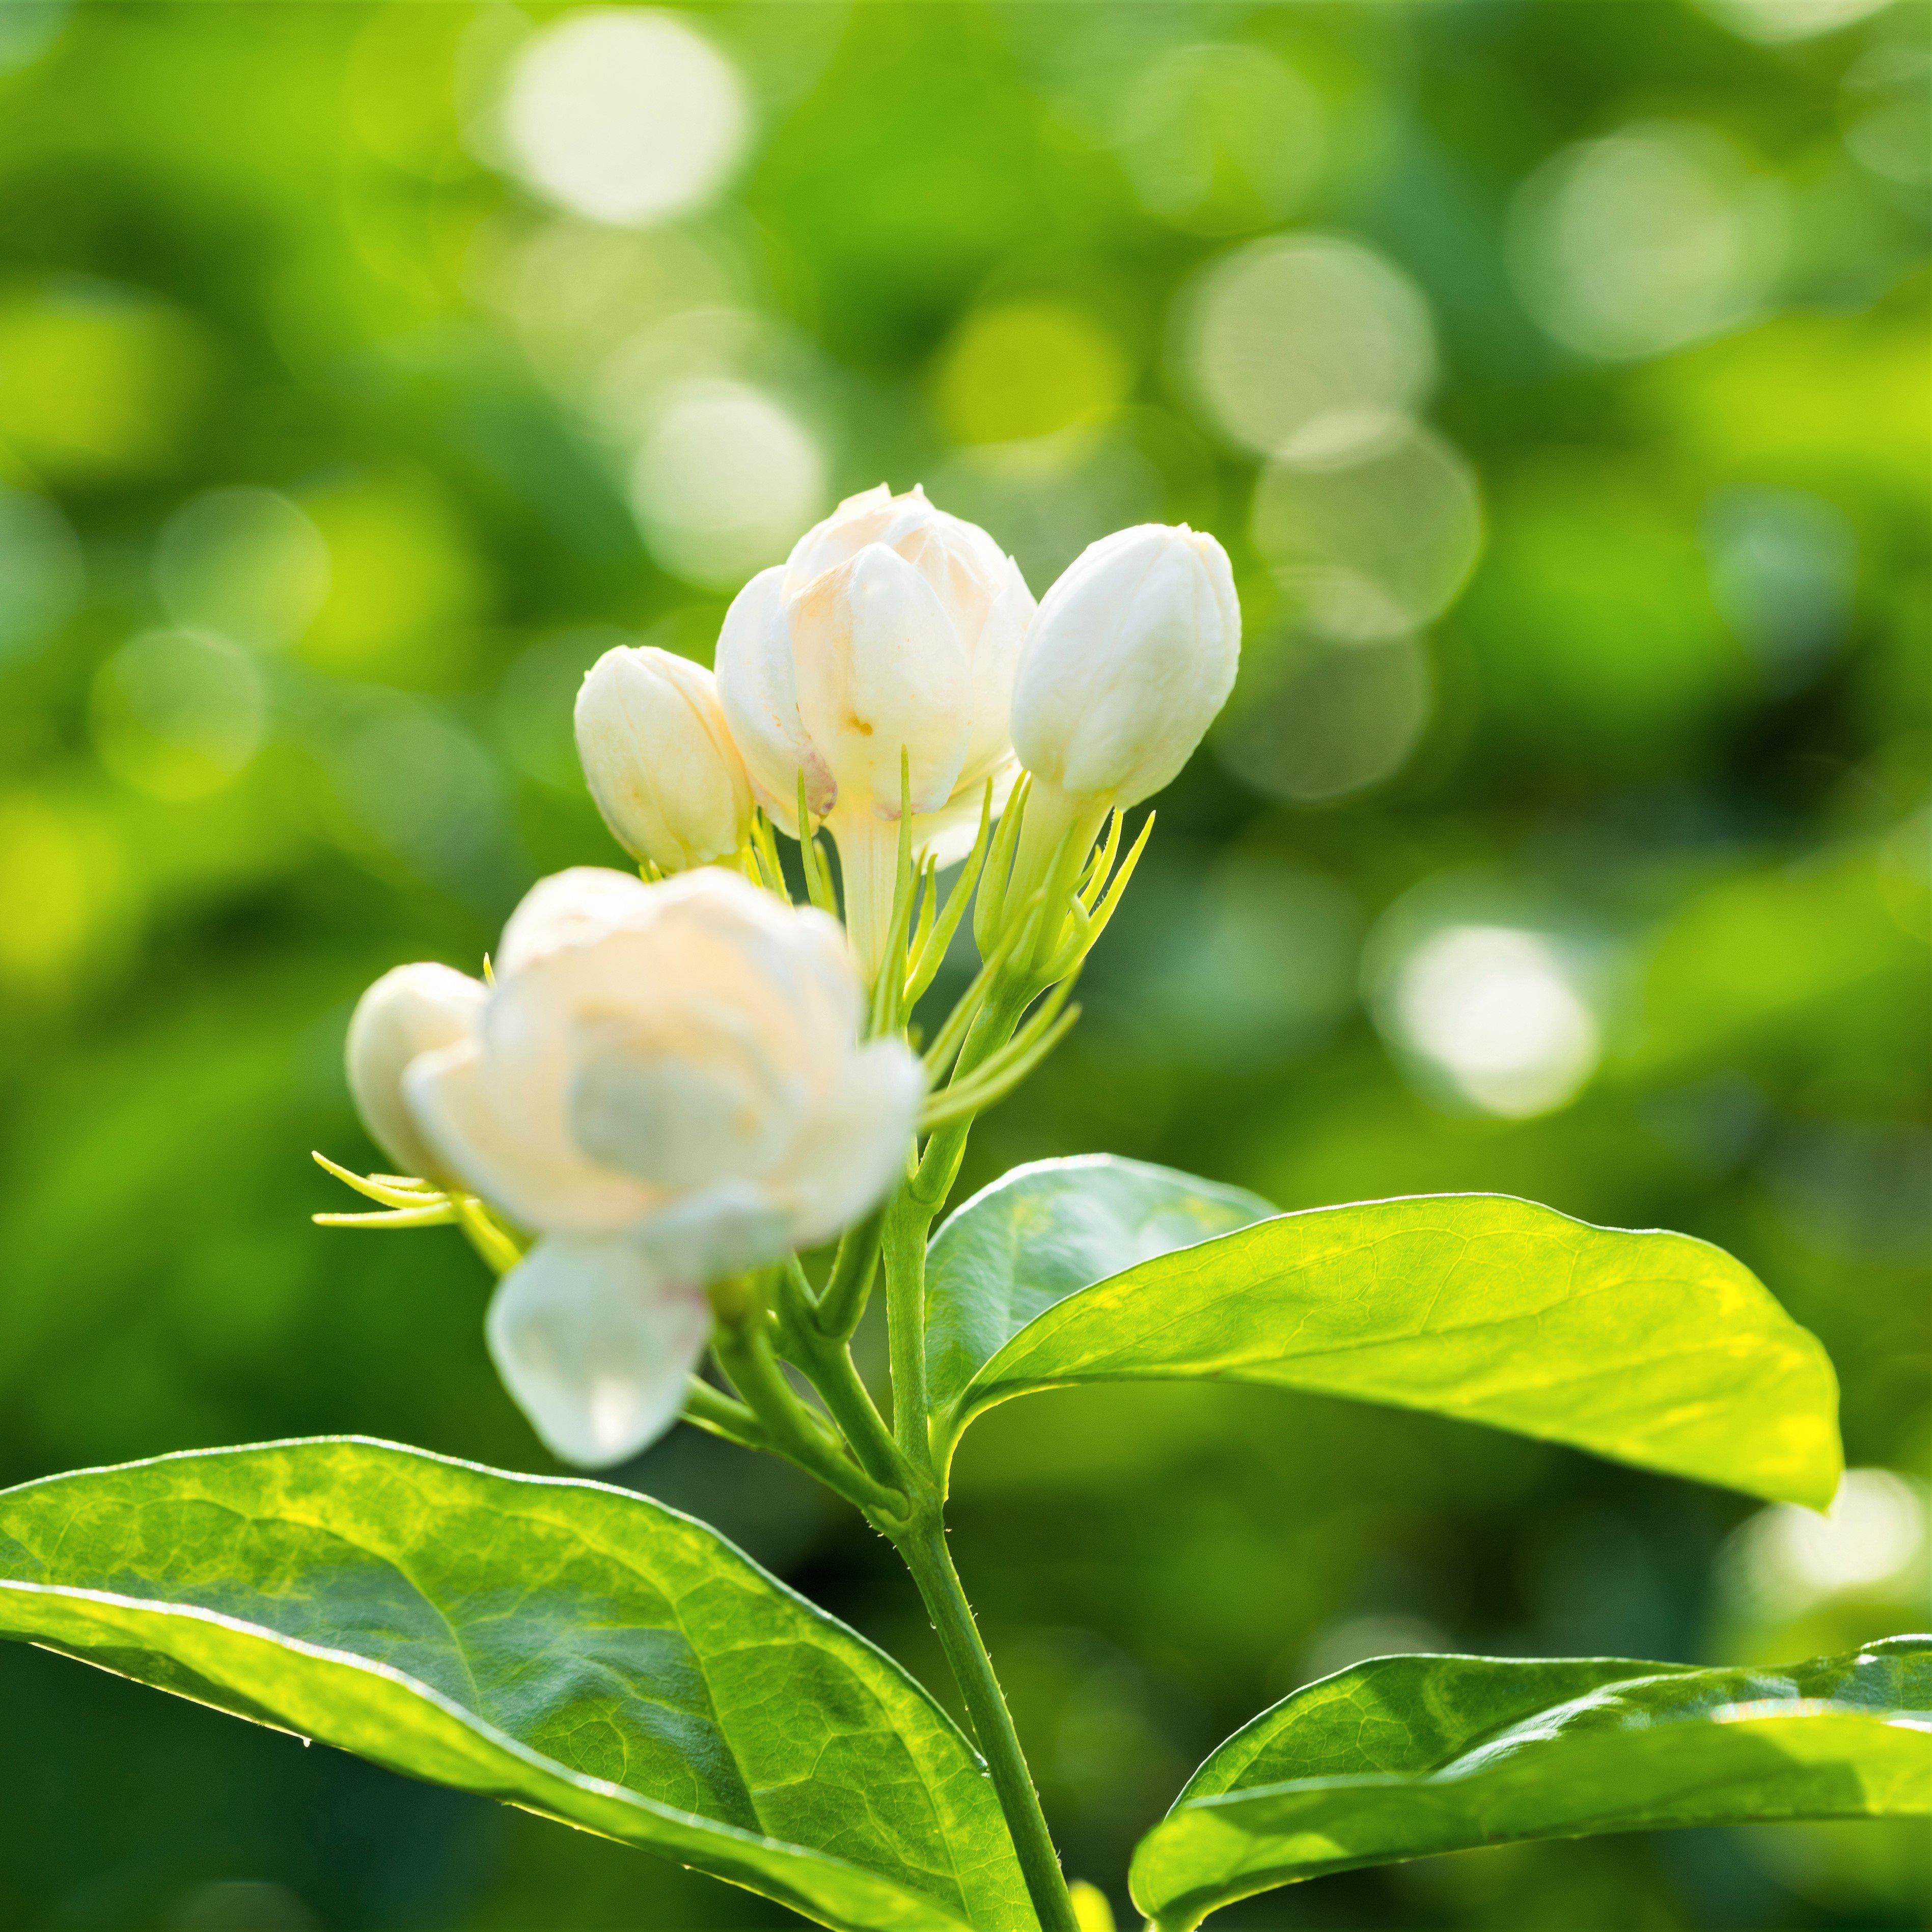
column 1128, row 659
column 996, row 656
column 880, row 668
column 659, row 758
column 758, row 686
column 596, row 1346
column 855, row 1149
column 536, row 1181
column 721, row 1231
column 947, row 835
column 410, row 1011
column 676, row 1113
column 856, row 522
column 571, row 908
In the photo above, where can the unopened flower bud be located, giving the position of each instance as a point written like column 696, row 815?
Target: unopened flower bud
column 891, row 632
column 1130, row 656
column 659, row 760
column 409, row 1012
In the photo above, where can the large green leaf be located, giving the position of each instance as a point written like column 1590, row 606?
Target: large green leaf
column 563, row 1645
column 1408, row 1756
column 1651, row 1349
column 1044, row 1230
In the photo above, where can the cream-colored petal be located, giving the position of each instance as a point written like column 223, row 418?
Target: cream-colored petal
column 757, row 688
column 856, row 522
column 493, row 1153
column 995, row 650
column 596, row 1346
column 659, row 758
column 881, row 670
column 853, row 1150
column 719, row 1231
column 571, row 908
column 411, row 1010
column 948, row 834
column 679, row 1114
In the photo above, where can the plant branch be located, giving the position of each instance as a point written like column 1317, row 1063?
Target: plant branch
column 712, row 1409
column 826, row 1361
column 923, row 1548
column 744, row 1351
column 905, row 1251
column 853, row 1268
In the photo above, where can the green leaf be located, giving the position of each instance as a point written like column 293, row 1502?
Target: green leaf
column 1650, row 1349
column 1409, row 1755
column 565, row 1646
column 1043, row 1231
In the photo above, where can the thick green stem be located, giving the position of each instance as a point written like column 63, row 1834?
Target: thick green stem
column 924, row 1548
column 905, row 1249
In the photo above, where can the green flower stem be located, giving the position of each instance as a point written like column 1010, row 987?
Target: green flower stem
column 923, row 1548
column 826, row 1362
column 908, row 1217
column 744, row 1351
column 907, row 1220
column 939, row 1164
column 710, row 1408
column 1056, row 840
column 853, row 1268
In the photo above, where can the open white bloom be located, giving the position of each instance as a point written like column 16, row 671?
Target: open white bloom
column 893, row 628
column 667, row 1082
column 659, row 760
column 410, row 1011
column 1133, row 653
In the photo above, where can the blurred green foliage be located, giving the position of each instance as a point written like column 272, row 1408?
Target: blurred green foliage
column 1568, row 834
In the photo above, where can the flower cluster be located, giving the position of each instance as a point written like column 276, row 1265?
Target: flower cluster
column 672, row 1081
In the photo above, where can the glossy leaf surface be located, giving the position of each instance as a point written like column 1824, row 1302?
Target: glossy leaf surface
column 1650, row 1348
column 1043, row 1231
column 1404, row 1756
column 559, row 1645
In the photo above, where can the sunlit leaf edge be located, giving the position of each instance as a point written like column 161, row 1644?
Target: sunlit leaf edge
column 1068, row 1171
column 985, row 1391
column 1897, row 1731
column 792, row 1874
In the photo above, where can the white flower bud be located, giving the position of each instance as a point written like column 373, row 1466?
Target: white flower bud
column 659, row 760
column 1130, row 656
column 668, row 1082
column 408, row 1012
column 893, row 628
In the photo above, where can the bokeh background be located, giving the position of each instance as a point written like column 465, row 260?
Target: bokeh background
column 1557, row 375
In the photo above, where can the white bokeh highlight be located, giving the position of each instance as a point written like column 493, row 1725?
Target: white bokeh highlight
column 1873, row 1539
column 1656, row 236
column 1304, row 346
column 1375, row 543
column 624, row 116
column 1494, row 1013
column 724, row 480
